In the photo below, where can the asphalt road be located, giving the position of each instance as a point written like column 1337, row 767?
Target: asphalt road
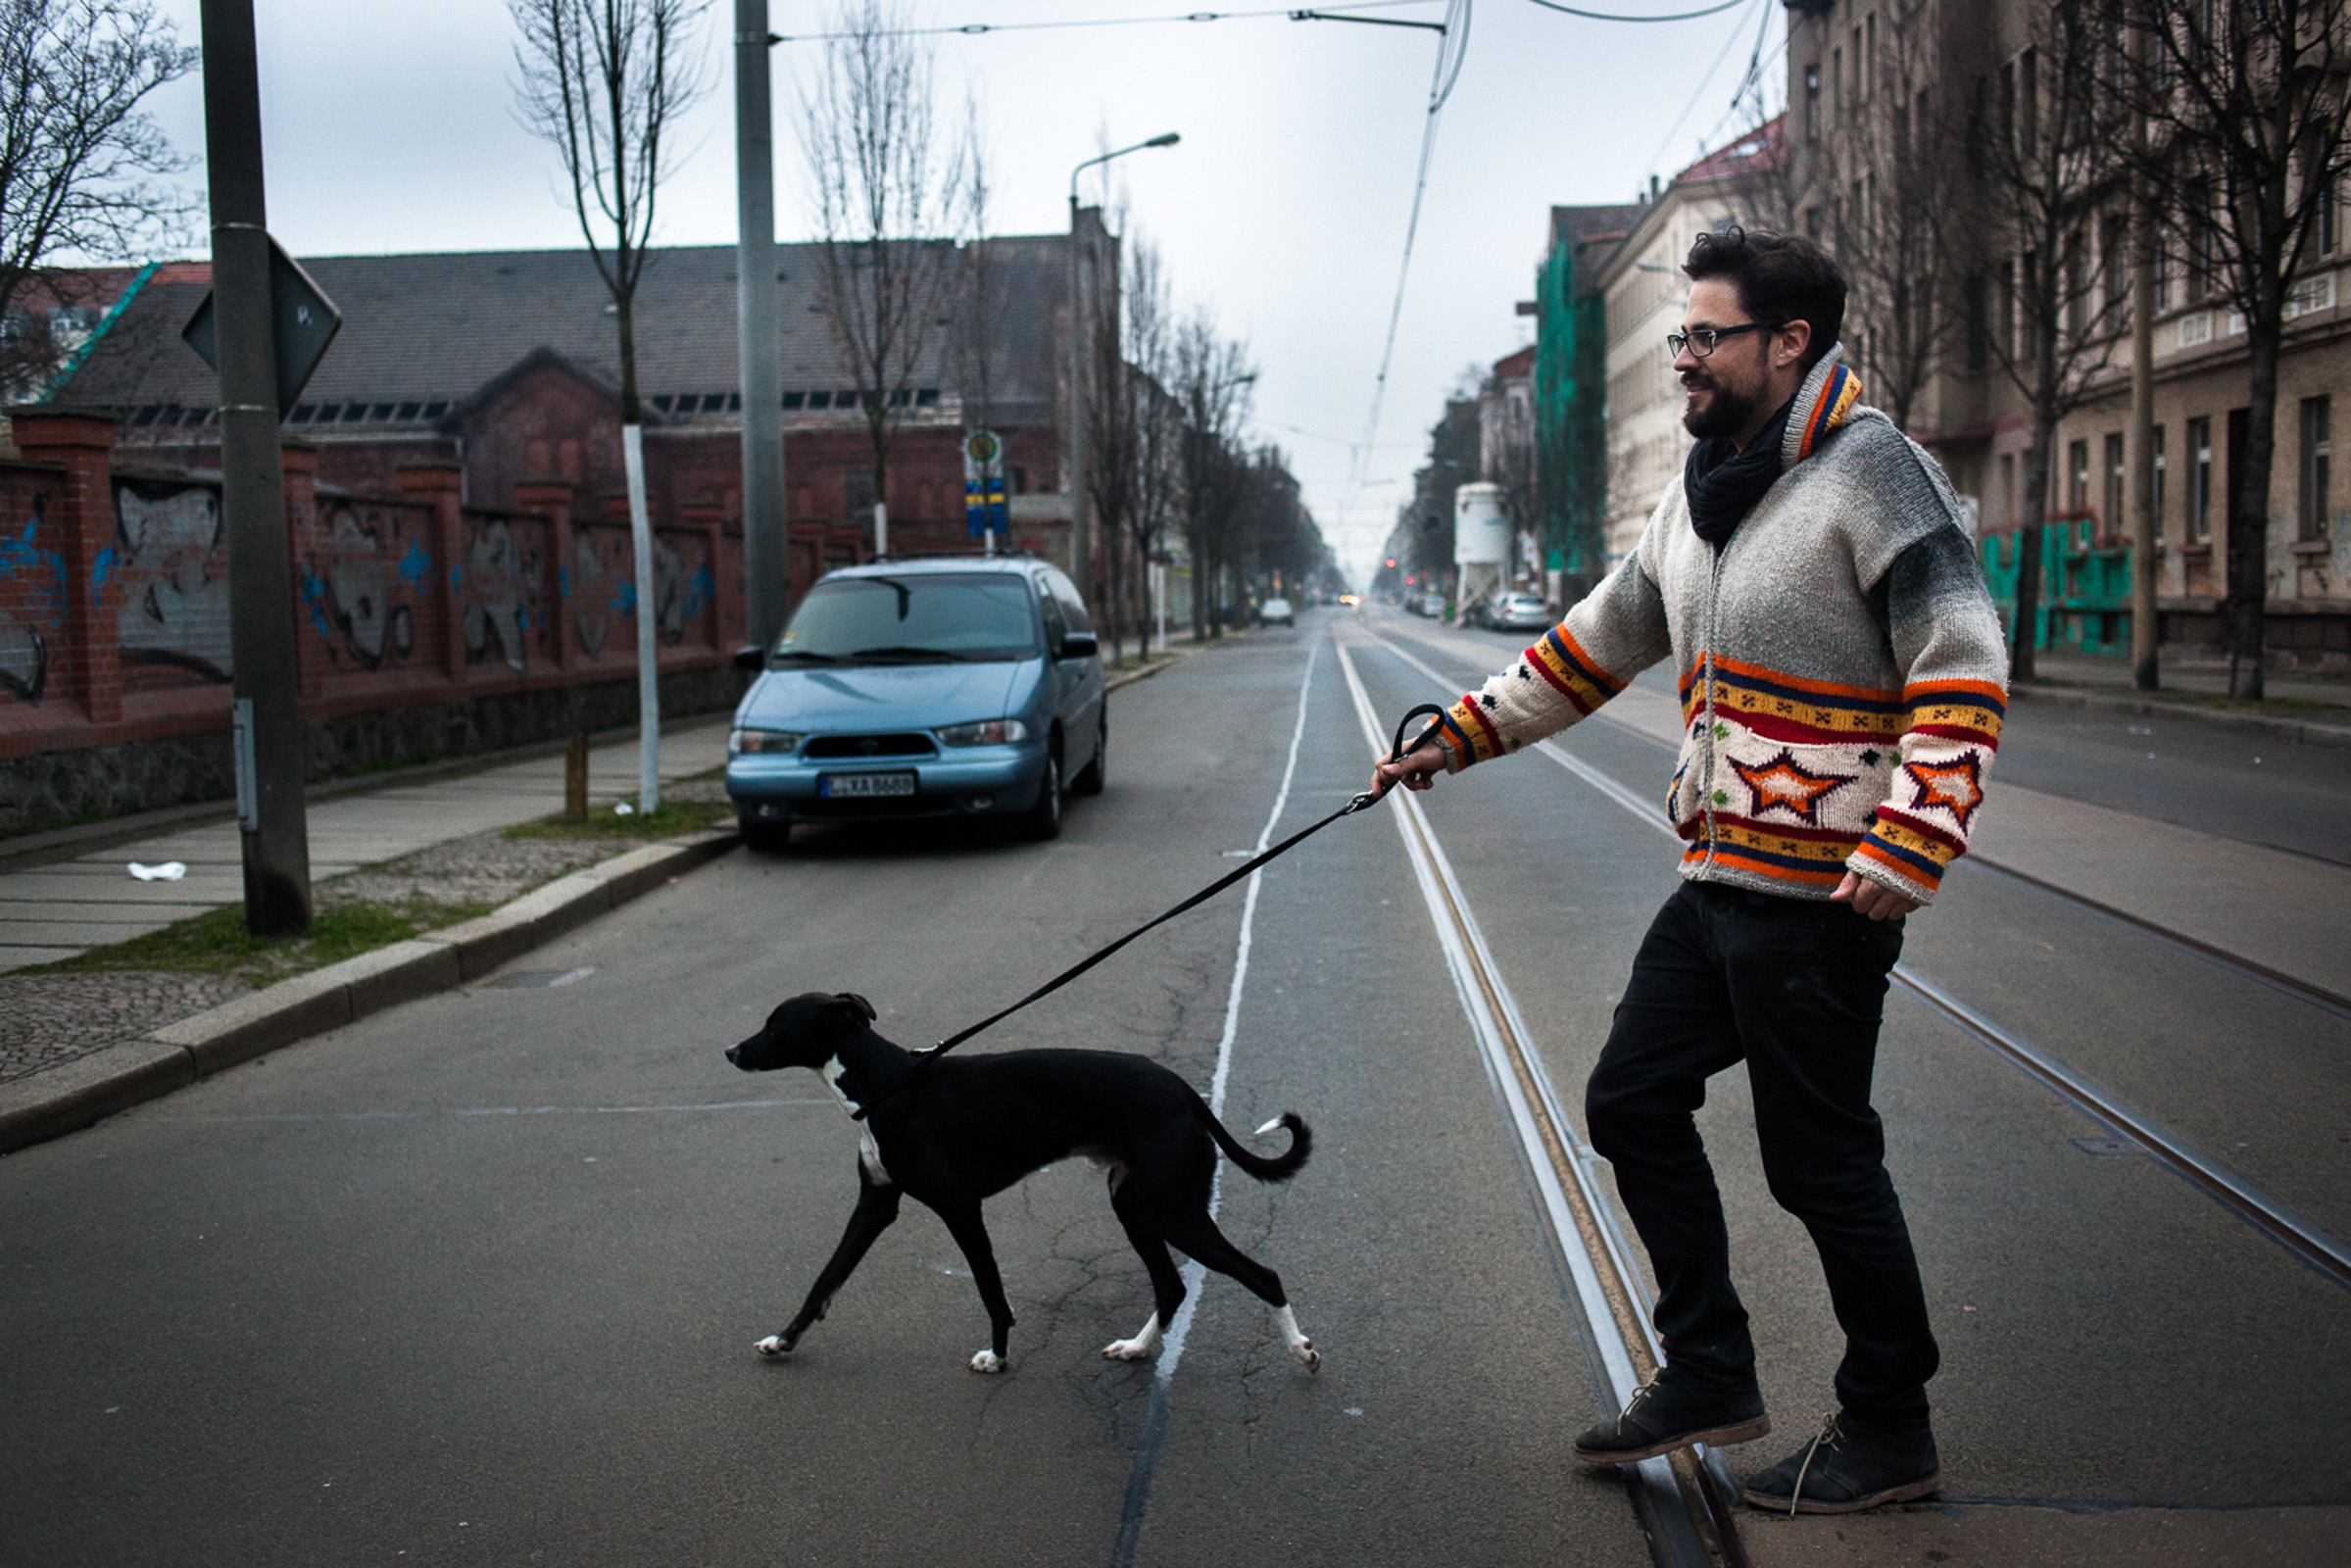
column 477, row 1279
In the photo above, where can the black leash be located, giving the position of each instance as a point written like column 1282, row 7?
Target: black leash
column 1362, row 801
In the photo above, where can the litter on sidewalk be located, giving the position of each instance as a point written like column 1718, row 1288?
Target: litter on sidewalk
column 168, row 871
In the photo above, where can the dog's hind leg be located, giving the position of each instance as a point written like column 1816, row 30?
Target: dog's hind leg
column 877, row 1207
column 971, row 1234
column 1197, row 1235
column 1167, row 1286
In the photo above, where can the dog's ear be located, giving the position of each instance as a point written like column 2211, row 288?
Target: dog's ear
column 865, row 1008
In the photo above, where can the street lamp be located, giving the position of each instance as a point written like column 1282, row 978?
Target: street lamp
column 1078, row 554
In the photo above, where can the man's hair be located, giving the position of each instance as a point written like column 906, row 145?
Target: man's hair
column 1779, row 278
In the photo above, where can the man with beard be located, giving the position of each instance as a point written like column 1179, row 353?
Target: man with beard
column 1842, row 687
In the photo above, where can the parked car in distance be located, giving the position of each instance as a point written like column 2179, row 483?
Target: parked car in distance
column 955, row 687
column 1516, row 612
column 1433, row 604
column 1278, row 611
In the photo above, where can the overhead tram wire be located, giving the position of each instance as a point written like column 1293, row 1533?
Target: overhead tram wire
column 1706, row 82
column 1452, row 51
column 1607, row 16
column 977, row 29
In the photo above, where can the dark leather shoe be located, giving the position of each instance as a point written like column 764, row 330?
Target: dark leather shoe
column 1850, row 1466
column 1668, row 1412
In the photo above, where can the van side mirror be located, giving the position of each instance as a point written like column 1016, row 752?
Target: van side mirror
column 1078, row 645
column 752, row 658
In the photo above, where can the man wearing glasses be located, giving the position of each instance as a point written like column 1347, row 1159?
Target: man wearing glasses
column 1842, row 686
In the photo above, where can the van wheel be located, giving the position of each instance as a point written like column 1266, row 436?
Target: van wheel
column 1043, row 820
column 763, row 837
column 1095, row 774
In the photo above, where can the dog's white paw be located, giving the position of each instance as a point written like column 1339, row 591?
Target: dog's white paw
column 771, row 1345
column 1311, row 1356
column 1299, row 1346
column 987, row 1362
column 1144, row 1341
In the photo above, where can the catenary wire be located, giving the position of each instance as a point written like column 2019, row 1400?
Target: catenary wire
column 976, row 28
column 1606, row 15
column 1452, row 52
column 1704, row 82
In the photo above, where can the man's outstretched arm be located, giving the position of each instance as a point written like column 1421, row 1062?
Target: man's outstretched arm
column 1612, row 634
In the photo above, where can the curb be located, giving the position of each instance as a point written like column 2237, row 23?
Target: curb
column 69, row 1097
column 2295, row 730
column 1172, row 655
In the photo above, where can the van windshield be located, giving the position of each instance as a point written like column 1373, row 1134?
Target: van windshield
column 917, row 618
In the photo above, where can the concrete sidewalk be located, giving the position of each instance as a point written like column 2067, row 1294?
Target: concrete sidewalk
column 65, row 906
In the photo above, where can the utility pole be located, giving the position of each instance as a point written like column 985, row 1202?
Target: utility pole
column 274, row 829
column 1078, row 554
column 766, row 567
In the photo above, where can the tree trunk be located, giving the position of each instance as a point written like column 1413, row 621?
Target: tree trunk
column 1199, row 586
column 1113, row 602
column 640, row 529
column 2026, row 640
column 2249, row 529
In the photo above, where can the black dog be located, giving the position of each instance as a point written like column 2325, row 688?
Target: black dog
column 968, row 1127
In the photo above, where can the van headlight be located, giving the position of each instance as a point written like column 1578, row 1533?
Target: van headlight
column 988, row 732
column 753, row 742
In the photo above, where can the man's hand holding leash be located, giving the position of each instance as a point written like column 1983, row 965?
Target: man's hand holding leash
column 1416, row 770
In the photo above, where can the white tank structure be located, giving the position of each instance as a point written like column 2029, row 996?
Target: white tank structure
column 1481, row 545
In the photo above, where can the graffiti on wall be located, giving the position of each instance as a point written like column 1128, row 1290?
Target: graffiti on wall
column 32, row 604
column 591, row 611
column 500, row 586
column 683, row 585
column 361, row 584
column 170, row 578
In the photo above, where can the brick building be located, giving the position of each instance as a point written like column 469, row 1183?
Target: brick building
column 506, row 365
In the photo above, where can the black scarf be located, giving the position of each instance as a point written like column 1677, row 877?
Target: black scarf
column 1721, row 485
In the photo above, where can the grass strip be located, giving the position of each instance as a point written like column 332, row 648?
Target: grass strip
column 218, row 942
column 602, row 822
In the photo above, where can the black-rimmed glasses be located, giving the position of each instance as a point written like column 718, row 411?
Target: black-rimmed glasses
column 1700, row 341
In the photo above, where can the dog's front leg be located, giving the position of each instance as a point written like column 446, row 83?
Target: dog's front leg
column 965, row 1225
column 877, row 1207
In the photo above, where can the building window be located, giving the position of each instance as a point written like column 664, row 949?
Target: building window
column 2159, row 478
column 2117, row 473
column 1836, row 86
column 1812, row 104
column 1869, row 57
column 2200, row 480
column 2327, row 217
column 2076, row 477
column 1814, row 221
column 1978, row 328
column 2317, row 418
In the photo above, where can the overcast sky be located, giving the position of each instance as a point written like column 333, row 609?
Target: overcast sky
column 389, row 127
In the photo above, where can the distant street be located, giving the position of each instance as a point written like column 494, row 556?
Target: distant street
column 477, row 1279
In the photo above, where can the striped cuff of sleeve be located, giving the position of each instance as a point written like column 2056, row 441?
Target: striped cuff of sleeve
column 1909, row 857
column 1470, row 733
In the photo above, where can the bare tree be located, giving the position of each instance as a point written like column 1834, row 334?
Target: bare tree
column 1147, row 326
column 2043, row 235
column 1889, row 176
column 1212, row 378
column 1506, row 458
column 2247, row 108
column 604, row 81
column 83, row 169
column 884, row 189
column 978, row 289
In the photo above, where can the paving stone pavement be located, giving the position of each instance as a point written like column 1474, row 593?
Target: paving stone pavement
column 48, row 1019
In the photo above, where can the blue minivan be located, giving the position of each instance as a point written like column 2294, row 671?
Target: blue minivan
column 952, row 687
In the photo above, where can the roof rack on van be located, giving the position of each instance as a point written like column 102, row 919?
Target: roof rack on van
column 1014, row 552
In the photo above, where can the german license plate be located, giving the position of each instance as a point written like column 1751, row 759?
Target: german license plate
column 862, row 786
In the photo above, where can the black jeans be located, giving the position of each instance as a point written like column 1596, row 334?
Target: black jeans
column 1796, row 989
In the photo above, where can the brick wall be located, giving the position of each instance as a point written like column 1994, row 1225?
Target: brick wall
column 424, row 627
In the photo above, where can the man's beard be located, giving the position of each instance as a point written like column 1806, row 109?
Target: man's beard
column 1725, row 416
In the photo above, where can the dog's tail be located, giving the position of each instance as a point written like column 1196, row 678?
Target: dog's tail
column 1292, row 1161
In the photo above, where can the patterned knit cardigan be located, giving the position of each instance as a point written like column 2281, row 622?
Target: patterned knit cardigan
column 1843, row 671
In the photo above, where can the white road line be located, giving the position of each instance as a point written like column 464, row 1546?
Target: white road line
column 1195, row 1275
